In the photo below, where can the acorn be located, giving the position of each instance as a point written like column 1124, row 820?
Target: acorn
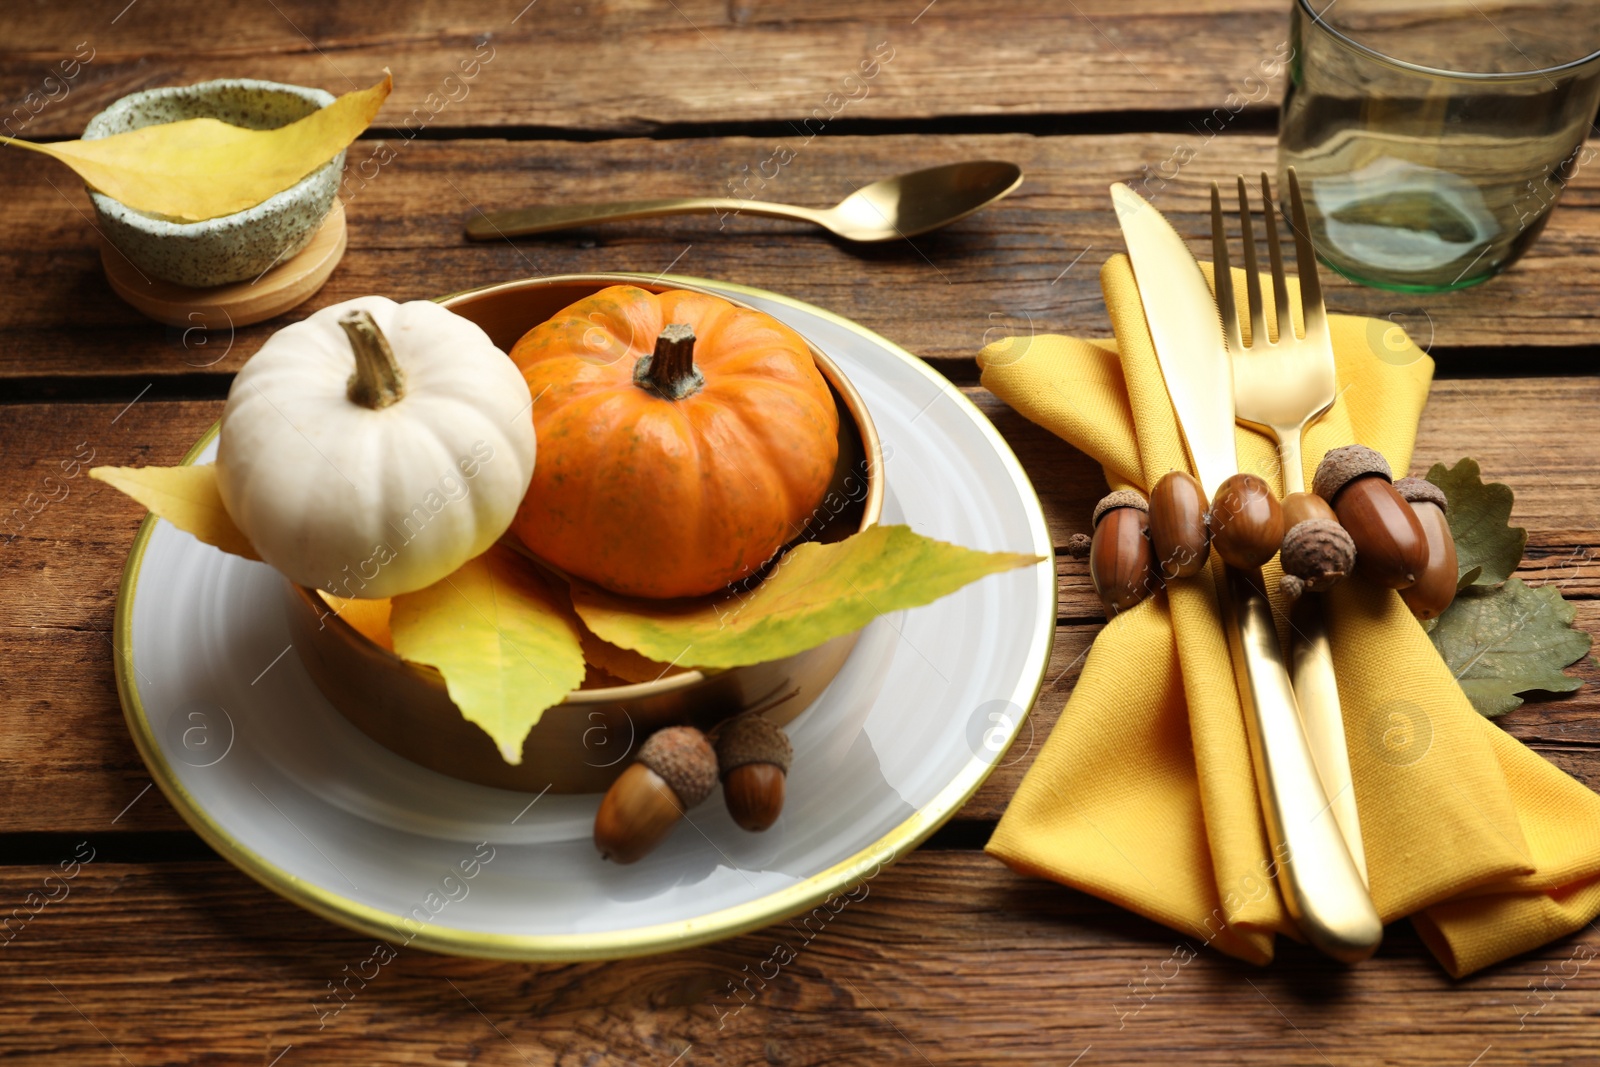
column 1391, row 547
column 1317, row 554
column 1178, row 533
column 675, row 770
column 1298, row 507
column 1435, row 587
column 1246, row 522
column 753, row 757
column 1120, row 561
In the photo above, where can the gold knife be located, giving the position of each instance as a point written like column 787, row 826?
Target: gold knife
column 1322, row 887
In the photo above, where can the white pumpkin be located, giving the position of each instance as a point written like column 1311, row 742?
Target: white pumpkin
column 366, row 483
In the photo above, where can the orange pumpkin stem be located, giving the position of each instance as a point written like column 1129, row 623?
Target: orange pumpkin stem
column 670, row 369
column 378, row 380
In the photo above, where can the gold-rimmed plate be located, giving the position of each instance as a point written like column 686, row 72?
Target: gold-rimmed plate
column 253, row 757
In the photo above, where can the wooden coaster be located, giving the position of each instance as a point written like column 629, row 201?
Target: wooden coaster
column 237, row 303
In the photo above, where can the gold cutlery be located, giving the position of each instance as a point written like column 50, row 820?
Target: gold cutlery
column 1322, row 889
column 903, row 206
column 1281, row 387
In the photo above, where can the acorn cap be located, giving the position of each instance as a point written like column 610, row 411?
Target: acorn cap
column 1420, row 490
column 1342, row 464
column 752, row 739
column 1122, row 498
column 682, row 756
column 1291, row 586
column 1078, row 545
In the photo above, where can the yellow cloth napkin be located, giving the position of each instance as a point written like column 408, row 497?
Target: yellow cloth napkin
column 1144, row 793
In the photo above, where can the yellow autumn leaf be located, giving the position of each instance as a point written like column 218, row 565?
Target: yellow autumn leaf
column 507, row 645
column 623, row 664
column 187, row 497
column 369, row 618
column 197, row 169
column 816, row 593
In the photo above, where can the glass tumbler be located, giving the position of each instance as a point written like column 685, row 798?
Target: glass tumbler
column 1433, row 137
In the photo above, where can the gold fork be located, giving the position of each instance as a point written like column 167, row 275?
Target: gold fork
column 1281, row 387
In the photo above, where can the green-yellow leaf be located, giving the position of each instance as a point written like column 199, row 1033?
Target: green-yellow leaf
column 187, row 497
column 1503, row 640
column 816, row 593
column 507, row 645
column 1488, row 548
column 201, row 168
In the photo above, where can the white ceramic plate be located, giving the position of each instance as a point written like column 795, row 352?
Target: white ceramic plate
column 276, row 780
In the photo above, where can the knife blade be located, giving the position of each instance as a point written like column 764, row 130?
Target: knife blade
column 1322, row 887
column 1187, row 332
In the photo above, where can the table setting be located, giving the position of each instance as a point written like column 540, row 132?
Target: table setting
column 481, row 593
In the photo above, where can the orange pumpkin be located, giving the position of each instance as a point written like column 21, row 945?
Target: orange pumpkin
column 682, row 440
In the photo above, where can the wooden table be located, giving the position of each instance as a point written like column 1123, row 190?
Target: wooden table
column 162, row 953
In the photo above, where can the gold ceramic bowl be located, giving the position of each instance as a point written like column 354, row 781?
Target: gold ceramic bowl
column 583, row 743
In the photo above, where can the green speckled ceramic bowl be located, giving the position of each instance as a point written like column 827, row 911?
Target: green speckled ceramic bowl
column 230, row 248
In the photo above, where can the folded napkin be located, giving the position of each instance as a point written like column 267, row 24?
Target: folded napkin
column 1144, row 792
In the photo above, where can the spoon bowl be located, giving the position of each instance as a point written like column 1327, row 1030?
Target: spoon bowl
column 903, row 206
column 924, row 200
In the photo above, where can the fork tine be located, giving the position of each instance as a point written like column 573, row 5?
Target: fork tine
column 1305, row 261
column 1223, row 273
column 1252, row 277
column 1280, row 288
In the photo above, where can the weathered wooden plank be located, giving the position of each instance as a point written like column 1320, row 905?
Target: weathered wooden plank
column 947, row 958
column 631, row 65
column 1027, row 266
column 70, row 763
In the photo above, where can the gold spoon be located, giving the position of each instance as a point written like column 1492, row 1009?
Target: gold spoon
column 903, row 206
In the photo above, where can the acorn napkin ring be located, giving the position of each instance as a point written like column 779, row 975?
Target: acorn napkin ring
column 1357, row 520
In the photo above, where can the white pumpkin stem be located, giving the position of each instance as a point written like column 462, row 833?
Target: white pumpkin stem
column 378, row 380
column 670, row 369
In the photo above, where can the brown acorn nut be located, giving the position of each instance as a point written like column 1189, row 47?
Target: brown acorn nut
column 674, row 771
column 1120, row 561
column 1178, row 534
column 1246, row 522
column 1317, row 554
column 1391, row 547
column 1436, row 585
column 753, row 756
column 1298, row 507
